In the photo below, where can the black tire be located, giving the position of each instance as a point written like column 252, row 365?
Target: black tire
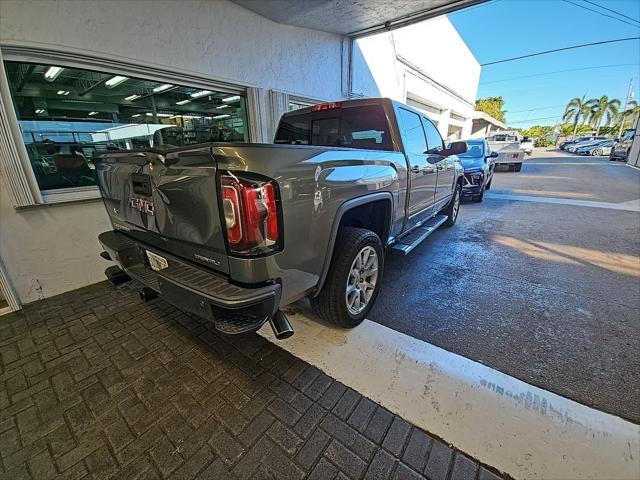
column 479, row 197
column 517, row 167
column 597, row 152
column 331, row 303
column 488, row 187
column 452, row 209
column 512, row 167
column 612, row 158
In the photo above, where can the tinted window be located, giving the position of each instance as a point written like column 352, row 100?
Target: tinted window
column 412, row 133
column 434, row 140
column 363, row 127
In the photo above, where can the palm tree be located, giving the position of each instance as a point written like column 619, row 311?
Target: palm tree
column 601, row 108
column 575, row 109
column 632, row 111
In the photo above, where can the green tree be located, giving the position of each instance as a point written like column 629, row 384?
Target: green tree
column 576, row 109
column 492, row 106
column 632, row 112
column 603, row 108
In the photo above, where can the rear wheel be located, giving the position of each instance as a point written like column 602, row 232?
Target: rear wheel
column 451, row 211
column 354, row 278
column 597, row 152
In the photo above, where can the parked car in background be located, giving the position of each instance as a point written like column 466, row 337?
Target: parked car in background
column 623, row 147
column 507, row 145
column 587, row 143
column 597, row 149
column 233, row 232
column 478, row 164
column 527, row 145
column 586, row 138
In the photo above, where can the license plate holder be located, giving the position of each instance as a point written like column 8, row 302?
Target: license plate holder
column 156, row 262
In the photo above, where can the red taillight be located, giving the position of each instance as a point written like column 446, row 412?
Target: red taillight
column 250, row 214
column 326, row 106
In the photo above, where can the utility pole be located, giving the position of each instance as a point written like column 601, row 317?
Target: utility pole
column 626, row 104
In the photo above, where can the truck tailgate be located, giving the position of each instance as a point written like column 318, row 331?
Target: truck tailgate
column 168, row 201
column 507, row 152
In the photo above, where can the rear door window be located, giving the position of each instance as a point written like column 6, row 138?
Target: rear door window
column 434, row 139
column 365, row 127
column 412, row 133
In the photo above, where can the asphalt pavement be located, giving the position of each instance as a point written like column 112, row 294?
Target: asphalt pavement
column 540, row 281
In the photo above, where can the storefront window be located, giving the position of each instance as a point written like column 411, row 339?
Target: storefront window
column 68, row 116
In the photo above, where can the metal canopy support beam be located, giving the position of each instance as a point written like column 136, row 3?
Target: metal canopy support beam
column 415, row 17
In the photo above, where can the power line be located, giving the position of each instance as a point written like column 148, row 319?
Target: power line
column 509, row 122
column 468, row 9
column 533, row 109
column 559, row 50
column 612, row 11
column 561, row 71
column 600, row 13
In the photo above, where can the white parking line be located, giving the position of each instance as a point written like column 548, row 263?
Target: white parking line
column 534, row 162
column 519, row 429
column 630, row 206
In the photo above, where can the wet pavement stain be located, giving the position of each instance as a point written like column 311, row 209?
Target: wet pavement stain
column 549, row 294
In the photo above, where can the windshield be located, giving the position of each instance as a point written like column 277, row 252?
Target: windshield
column 503, row 138
column 364, row 127
column 628, row 135
column 474, row 149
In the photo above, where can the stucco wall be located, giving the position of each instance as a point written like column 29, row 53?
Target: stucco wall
column 213, row 38
column 50, row 250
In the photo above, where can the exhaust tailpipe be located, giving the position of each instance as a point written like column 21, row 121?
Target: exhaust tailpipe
column 147, row 294
column 281, row 327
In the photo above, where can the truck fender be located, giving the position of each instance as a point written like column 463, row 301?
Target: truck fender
column 344, row 208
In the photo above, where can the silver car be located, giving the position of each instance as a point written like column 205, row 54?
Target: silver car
column 597, row 149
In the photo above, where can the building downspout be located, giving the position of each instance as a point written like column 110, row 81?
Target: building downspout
column 346, row 77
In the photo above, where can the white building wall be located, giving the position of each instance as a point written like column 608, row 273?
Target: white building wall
column 427, row 62
column 217, row 39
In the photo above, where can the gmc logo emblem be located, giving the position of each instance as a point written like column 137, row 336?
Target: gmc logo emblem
column 142, row 205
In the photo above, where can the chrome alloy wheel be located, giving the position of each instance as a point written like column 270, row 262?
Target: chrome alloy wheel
column 361, row 284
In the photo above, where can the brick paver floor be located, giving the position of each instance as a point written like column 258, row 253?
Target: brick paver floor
column 95, row 384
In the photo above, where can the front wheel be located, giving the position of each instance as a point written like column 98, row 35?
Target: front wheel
column 597, row 152
column 354, row 278
column 451, row 211
column 480, row 196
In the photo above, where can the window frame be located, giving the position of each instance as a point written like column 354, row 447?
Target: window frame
column 402, row 128
column 426, row 120
column 27, row 179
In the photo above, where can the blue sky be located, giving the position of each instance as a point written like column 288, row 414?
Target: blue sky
column 508, row 28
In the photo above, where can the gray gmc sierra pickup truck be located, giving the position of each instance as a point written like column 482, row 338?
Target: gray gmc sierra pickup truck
column 233, row 232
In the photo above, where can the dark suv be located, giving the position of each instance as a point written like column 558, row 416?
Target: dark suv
column 623, row 147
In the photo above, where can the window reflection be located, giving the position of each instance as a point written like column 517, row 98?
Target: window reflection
column 68, row 116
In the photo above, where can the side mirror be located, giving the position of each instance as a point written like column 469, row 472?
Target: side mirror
column 493, row 155
column 456, row 148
